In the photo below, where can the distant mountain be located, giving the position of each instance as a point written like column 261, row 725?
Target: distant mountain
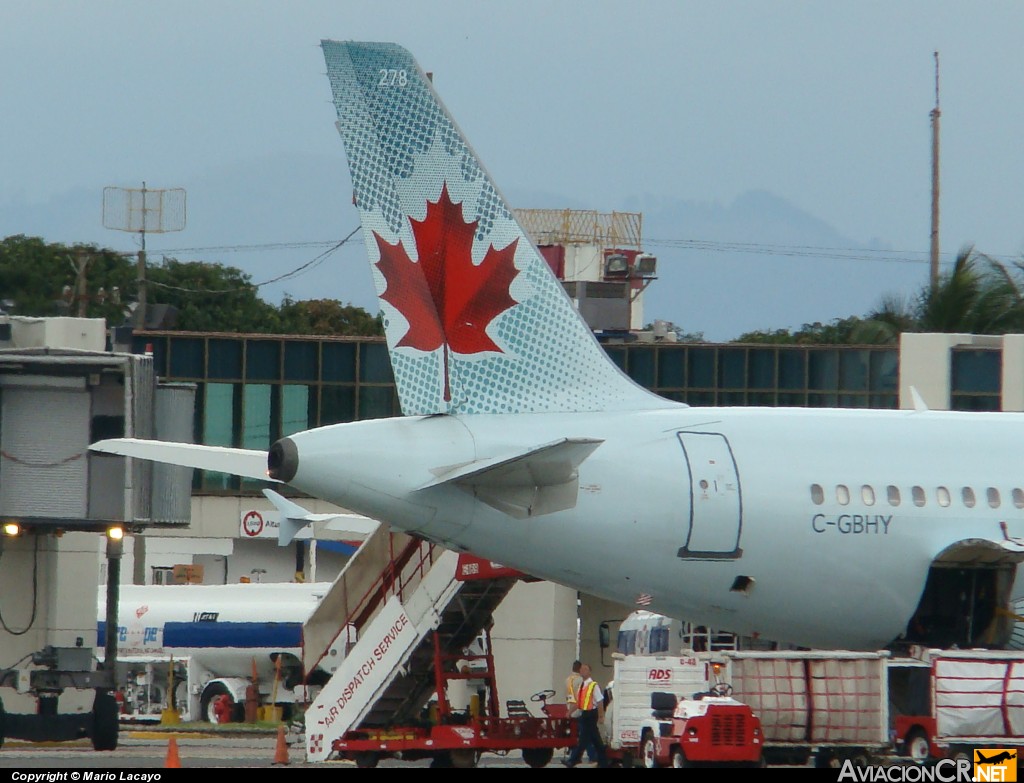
column 760, row 263
column 723, row 270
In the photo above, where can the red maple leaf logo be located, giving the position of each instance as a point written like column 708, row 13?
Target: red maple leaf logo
column 445, row 297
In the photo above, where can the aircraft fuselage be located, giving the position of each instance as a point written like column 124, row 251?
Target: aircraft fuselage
column 779, row 522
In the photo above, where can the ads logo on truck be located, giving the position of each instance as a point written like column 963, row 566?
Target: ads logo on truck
column 659, row 675
column 998, row 764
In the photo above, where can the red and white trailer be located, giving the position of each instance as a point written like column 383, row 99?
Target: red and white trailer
column 948, row 703
column 830, row 705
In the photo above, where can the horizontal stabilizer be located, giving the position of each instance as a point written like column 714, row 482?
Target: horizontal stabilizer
column 294, row 517
column 528, row 484
column 248, row 463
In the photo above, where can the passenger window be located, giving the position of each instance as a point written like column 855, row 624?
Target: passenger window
column 993, row 497
column 894, row 495
column 843, row 494
column 1018, row 498
column 867, row 494
column 968, row 495
column 817, row 494
column 918, row 495
column 943, row 496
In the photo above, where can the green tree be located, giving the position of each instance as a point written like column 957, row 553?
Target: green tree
column 211, row 297
column 328, row 316
column 43, row 279
column 979, row 296
column 48, row 279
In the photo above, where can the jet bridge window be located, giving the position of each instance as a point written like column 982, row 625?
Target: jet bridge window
column 893, row 494
column 843, row 494
column 968, row 496
column 993, row 497
column 817, row 494
column 942, row 495
column 918, row 494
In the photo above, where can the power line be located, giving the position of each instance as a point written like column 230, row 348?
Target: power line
column 812, row 251
column 299, row 270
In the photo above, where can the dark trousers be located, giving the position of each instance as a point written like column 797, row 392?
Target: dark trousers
column 589, row 737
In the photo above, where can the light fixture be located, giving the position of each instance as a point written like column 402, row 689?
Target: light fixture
column 645, row 265
column 616, row 265
column 115, row 541
column 12, row 529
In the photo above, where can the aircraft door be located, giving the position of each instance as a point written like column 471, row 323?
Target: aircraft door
column 716, row 507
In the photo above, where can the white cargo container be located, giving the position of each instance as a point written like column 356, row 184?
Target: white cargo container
column 832, row 704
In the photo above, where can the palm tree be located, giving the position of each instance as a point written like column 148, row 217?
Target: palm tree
column 980, row 296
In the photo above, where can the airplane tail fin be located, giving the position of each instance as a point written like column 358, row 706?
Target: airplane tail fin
column 476, row 322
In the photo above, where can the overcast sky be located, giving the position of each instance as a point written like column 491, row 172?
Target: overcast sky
column 823, row 104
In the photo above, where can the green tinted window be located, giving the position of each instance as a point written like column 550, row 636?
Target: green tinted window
column 761, row 368
column 263, row 360
column 375, row 402
column 732, row 370
column 186, row 360
column 374, row 363
column 792, row 368
column 225, row 359
column 256, row 426
column 671, row 367
column 823, row 371
column 301, row 361
column 700, row 367
column 339, row 362
column 641, row 366
column 295, row 409
column 337, row 404
column 853, row 370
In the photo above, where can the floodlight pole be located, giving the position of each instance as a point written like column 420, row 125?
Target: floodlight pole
column 935, row 114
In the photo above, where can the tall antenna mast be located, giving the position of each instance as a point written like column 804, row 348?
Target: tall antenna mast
column 935, row 114
column 141, row 211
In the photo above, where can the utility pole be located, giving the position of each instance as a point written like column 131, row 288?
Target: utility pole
column 81, row 265
column 935, row 113
column 140, row 275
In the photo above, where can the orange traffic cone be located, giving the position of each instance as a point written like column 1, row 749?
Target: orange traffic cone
column 172, row 755
column 281, row 754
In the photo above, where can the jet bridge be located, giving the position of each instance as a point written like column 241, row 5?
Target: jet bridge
column 401, row 598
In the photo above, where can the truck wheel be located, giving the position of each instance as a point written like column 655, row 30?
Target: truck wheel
column 104, row 722
column 538, row 757
column 648, row 750
column 208, row 703
column 859, row 758
column 463, row 759
column 827, row 759
column 679, row 760
column 959, row 753
column 366, row 759
column 916, row 746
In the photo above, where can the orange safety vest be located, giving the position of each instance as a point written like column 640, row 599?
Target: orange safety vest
column 585, row 699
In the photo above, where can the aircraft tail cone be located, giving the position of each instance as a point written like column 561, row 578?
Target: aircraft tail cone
column 172, row 761
column 281, row 754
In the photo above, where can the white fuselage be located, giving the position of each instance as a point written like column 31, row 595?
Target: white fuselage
column 817, row 570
